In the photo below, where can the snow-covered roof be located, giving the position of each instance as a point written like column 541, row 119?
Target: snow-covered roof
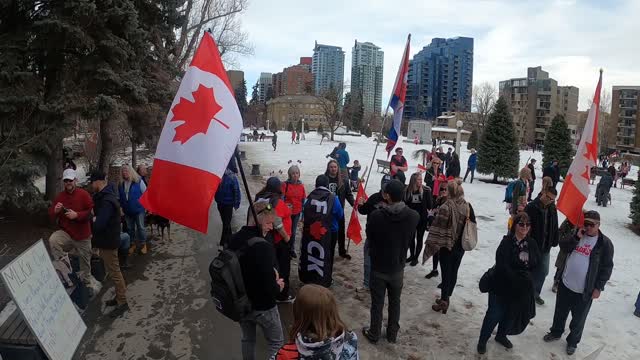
column 446, row 117
column 448, row 130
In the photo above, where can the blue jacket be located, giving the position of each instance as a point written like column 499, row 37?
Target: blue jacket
column 343, row 158
column 131, row 206
column 338, row 214
column 229, row 190
column 473, row 160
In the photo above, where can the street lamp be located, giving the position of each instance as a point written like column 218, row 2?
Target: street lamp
column 458, row 135
column 302, row 135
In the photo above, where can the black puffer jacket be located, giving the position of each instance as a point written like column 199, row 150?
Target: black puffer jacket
column 600, row 262
column 106, row 227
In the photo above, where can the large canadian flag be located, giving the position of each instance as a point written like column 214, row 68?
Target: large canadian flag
column 575, row 190
column 199, row 137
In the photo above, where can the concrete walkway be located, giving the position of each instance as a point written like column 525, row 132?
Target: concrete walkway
column 172, row 315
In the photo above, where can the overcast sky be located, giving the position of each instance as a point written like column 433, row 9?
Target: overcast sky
column 571, row 39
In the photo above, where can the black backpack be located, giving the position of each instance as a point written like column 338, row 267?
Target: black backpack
column 227, row 284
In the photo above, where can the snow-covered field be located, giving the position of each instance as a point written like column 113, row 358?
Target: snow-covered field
column 425, row 334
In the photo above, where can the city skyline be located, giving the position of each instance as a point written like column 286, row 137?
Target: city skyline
column 570, row 39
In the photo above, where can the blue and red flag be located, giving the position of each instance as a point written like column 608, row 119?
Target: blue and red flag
column 397, row 99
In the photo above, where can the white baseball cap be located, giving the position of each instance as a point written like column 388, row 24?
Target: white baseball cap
column 69, row 174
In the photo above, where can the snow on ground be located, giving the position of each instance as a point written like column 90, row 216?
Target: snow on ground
column 429, row 335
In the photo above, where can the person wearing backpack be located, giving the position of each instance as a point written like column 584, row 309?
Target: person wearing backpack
column 516, row 193
column 317, row 332
column 227, row 199
column 262, row 283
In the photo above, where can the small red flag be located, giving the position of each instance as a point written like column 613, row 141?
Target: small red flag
column 354, row 230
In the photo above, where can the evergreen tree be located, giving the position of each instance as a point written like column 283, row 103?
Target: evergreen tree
column 299, row 126
column 557, row 145
column 635, row 205
column 473, row 140
column 290, row 126
column 241, row 98
column 254, row 95
column 498, row 152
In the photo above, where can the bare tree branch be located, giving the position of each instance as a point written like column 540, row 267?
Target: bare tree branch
column 484, row 99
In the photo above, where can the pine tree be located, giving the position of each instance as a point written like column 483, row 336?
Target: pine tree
column 299, row 126
column 254, row 94
column 498, row 151
column 635, row 205
column 290, row 126
column 473, row 140
column 241, row 98
column 557, row 144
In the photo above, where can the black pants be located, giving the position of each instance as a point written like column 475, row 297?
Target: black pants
column 469, row 170
column 342, row 250
column 436, row 258
column 531, row 185
column 226, row 213
column 379, row 284
column 496, row 315
column 449, row 264
column 569, row 301
column 283, row 257
column 415, row 246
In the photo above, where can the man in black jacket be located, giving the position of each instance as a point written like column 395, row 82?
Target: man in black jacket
column 262, row 282
column 586, row 271
column 374, row 202
column 544, row 229
column 389, row 231
column 552, row 171
column 106, row 237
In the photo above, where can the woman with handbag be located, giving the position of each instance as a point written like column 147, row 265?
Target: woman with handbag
column 446, row 237
column 510, row 285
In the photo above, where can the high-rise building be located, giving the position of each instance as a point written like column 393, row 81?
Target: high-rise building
column 294, row 80
column 440, row 79
column 624, row 128
column 327, row 66
column 535, row 100
column 236, row 77
column 265, row 84
column 367, row 63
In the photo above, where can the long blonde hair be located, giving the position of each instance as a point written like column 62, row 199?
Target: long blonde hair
column 134, row 177
column 316, row 315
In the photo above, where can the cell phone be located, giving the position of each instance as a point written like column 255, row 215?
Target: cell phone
column 64, row 209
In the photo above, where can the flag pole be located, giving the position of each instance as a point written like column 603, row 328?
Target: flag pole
column 375, row 150
column 246, row 186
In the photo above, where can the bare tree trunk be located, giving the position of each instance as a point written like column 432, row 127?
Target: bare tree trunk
column 134, row 154
column 495, row 178
column 106, row 146
column 53, row 180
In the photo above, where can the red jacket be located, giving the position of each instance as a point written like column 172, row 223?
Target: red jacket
column 294, row 195
column 79, row 201
column 282, row 210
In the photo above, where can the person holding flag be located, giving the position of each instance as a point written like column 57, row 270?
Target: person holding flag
column 590, row 253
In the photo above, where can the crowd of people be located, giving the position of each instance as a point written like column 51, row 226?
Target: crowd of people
column 107, row 226
column 398, row 218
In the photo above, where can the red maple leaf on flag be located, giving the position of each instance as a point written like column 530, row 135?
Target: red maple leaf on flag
column 317, row 230
column 197, row 115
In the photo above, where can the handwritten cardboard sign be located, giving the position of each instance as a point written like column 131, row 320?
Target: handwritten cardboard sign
column 44, row 303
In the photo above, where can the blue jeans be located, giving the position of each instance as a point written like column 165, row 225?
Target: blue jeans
column 294, row 226
column 541, row 272
column 638, row 303
column 367, row 264
column 269, row 322
column 496, row 314
column 125, row 242
column 135, row 223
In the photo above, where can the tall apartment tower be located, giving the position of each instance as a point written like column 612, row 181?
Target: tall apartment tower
column 265, row 84
column 440, row 79
column 535, row 100
column 367, row 63
column 327, row 66
column 624, row 128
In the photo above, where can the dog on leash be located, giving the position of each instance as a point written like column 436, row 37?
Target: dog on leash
column 160, row 223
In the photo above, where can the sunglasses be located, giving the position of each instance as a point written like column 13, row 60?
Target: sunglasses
column 524, row 224
column 67, row 181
